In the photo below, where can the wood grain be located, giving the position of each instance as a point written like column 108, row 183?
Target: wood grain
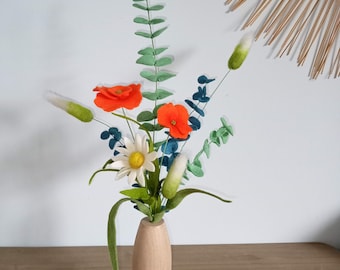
column 290, row 256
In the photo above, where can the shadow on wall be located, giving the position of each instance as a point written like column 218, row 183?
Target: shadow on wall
column 36, row 150
column 331, row 233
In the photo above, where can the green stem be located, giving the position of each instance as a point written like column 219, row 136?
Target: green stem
column 156, row 68
column 128, row 123
column 138, row 124
column 205, row 105
column 217, row 87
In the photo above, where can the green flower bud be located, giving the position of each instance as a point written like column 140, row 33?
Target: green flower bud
column 174, row 177
column 240, row 52
column 75, row 109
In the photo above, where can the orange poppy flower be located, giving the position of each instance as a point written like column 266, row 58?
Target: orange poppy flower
column 115, row 97
column 174, row 117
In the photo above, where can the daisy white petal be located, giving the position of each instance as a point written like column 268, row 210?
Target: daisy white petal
column 134, row 159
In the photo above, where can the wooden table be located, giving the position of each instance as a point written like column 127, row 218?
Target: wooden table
column 292, row 256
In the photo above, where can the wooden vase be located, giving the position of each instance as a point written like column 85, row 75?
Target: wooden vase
column 152, row 249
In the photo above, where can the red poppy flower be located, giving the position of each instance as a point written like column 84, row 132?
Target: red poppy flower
column 115, row 97
column 174, row 117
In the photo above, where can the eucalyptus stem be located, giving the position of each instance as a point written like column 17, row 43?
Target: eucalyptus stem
column 205, row 105
column 102, row 122
column 155, row 67
column 217, row 87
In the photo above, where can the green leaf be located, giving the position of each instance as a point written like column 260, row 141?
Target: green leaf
column 111, row 233
column 152, row 51
column 156, row 77
column 143, row 34
column 155, row 109
column 158, row 216
column 156, row 7
column 150, row 95
column 229, row 128
column 142, row 7
column 206, row 148
column 148, row 60
column 151, row 127
column 223, row 133
column 195, row 170
column 145, row 116
column 163, row 61
column 157, row 21
column 174, row 202
column 158, row 32
column 159, row 94
column 164, row 75
column 214, row 138
column 146, row 51
column 141, row 20
column 149, row 75
column 136, row 193
column 160, row 50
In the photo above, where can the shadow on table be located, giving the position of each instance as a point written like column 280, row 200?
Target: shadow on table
column 330, row 234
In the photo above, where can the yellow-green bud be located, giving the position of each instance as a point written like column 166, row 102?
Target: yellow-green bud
column 174, row 177
column 75, row 109
column 240, row 52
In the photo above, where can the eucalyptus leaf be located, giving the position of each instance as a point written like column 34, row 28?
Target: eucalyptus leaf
column 149, row 75
column 152, row 51
column 164, row 75
column 155, row 109
column 157, row 21
column 225, row 124
column 142, row 7
column 163, row 61
column 158, row 32
column 146, row 51
column 161, row 93
column 148, row 60
column 206, row 148
column 150, row 95
column 160, row 50
column 143, row 34
column 151, row 127
column 141, row 20
column 145, row 116
column 214, row 138
column 156, row 7
column 195, row 170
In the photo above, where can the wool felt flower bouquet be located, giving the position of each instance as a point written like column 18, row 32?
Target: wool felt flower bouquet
column 150, row 155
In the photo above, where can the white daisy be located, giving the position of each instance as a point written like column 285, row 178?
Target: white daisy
column 134, row 159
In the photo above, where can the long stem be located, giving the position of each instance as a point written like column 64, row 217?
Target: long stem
column 217, row 87
column 155, row 67
column 128, row 123
column 101, row 122
column 205, row 105
column 138, row 124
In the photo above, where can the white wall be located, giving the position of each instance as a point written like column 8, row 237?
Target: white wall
column 281, row 168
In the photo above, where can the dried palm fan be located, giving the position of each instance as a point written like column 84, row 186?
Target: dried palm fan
column 312, row 25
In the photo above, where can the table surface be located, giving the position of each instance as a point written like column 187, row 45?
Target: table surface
column 288, row 256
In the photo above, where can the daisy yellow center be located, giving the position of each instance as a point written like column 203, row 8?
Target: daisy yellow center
column 136, row 160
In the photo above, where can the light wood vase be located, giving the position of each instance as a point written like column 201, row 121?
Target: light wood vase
column 152, row 249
